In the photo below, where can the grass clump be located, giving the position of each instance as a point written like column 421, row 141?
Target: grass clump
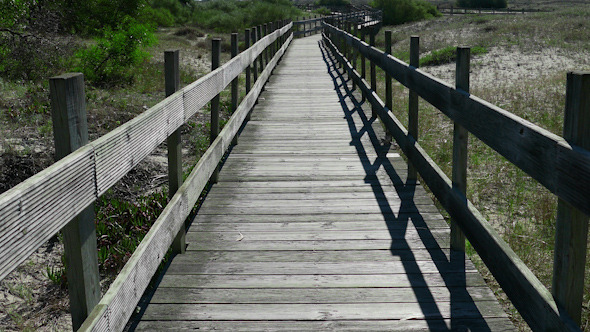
column 122, row 224
column 447, row 55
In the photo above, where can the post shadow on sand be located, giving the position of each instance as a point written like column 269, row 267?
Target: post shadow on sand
column 465, row 315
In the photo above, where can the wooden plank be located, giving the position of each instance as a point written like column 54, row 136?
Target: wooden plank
column 327, row 268
column 487, row 324
column 321, row 295
column 387, row 234
column 37, row 208
column 320, row 311
column 439, row 256
column 282, row 226
column 415, row 281
column 426, row 243
column 319, row 218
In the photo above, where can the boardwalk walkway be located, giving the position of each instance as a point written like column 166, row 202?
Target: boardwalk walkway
column 312, row 227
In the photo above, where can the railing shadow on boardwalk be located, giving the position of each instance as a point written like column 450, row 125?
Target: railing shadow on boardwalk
column 452, row 266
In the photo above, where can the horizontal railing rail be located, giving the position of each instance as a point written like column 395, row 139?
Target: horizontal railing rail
column 562, row 167
column 35, row 210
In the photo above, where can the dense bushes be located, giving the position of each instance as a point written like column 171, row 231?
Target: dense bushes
column 27, row 50
column 482, row 3
column 112, row 59
column 402, row 11
column 332, row 3
column 231, row 15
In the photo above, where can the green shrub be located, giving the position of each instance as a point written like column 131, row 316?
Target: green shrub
column 323, row 11
column 114, row 56
column 332, row 3
column 447, row 55
column 402, row 11
column 158, row 17
column 27, row 47
column 93, row 16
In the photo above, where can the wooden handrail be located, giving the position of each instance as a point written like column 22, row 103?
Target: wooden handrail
column 557, row 169
column 39, row 207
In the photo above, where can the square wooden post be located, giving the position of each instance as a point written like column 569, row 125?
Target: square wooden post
column 70, row 132
column 215, row 55
column 571, row 229
column 413, row 104
column 174, row 142
column 234, row 83
column 460, row 138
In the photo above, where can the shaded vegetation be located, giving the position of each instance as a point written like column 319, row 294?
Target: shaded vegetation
column 402, row 11
column 232, row 16
column 447, row 55
column 482, row 3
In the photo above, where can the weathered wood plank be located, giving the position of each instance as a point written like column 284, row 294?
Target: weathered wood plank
column 489, row 324
column 321, row 295
column 322, row 281
column 321, row 311
column 440, row 256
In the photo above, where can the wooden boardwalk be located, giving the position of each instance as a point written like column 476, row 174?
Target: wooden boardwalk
column 312, row 227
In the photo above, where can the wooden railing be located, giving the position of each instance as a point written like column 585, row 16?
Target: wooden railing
column 560, row 164
column 62, row 196
column 362, row 18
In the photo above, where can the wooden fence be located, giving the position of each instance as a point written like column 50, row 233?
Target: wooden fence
column 62, row 196
column 362, row 18
column 560, row 164
column 486, row 11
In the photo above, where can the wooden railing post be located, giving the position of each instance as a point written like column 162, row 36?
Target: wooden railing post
column 215, row 55
column 388, row 92
column 70, row 132
column 174, row 142
column 413, row 104
column 265, row 52
column 363, row 62
column 248, row 69
column 354, row 52
column 373, row 75
column 261, row 57
column 234, row 83
column 571, row 231
column 460, row 138
column 255, row 61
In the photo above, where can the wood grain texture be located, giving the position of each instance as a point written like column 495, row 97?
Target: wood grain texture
column 312, row 220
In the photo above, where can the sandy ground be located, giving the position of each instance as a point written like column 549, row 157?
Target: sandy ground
column 511, row 66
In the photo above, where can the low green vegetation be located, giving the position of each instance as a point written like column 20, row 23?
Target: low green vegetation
column 402, row 11
column 447, row 55
column 233, row 16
